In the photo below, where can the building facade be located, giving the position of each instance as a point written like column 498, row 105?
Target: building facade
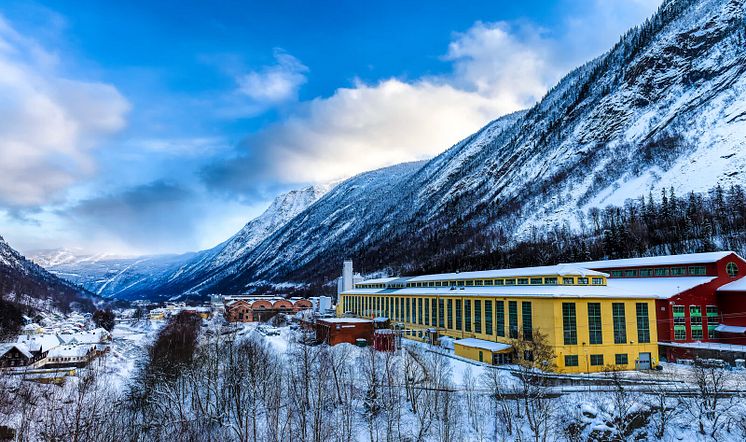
column 590, row 325
column 261, row 308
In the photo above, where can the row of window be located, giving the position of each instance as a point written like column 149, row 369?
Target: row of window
column 597, row 360
column 595, row 326
column 660, row 271
column 695, row 322
column 544, row 280
column 478, row 316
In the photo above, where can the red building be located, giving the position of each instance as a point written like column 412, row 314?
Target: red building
column 262, row 308
column 335, row 331
column 701, row 306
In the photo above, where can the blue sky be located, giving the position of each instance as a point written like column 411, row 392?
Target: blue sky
column 153, row 127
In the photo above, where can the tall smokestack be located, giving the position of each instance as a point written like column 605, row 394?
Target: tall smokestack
column 347, row 275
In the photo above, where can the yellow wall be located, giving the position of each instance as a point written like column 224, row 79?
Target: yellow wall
column 546, row 317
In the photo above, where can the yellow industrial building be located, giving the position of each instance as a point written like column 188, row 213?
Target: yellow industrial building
column 590, row 325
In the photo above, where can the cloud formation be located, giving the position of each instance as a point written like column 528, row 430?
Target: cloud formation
column 274, row 84
column 48, row 123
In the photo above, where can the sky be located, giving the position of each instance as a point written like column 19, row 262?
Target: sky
column 144, row 127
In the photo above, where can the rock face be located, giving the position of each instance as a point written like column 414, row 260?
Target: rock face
column 27, row 283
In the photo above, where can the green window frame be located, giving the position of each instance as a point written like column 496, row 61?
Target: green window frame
column 526, row 315
column 459, row 315
column 731, row 269
column 449, row 306
column 550, row 281
column 488, row 282
column 569, row 323
column 536, row 281
column 695, row 321
column 571, row 360
column 621, row 359
column 467, row 315
column 510, row 281
column 522, row 281
column 646, row 272
column 661, row 271
column 434, row 310
column 597, row 360
column 419, row 311
column 479, row 282
column 500, row 318
column 643, row 323
column 470, row 283
column 427, row 311
column 513, row 319
column 617, row 273
column 488, row 317
column 477, row 316
column 631, row 273
column 595, row 333
column 499, row 282
column 678, row 271
column 441, row 313
column 407, row 304
column 620, row 324
column 697, row 270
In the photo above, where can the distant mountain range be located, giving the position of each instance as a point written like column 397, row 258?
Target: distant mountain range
column 24, row 282
column 665, row 107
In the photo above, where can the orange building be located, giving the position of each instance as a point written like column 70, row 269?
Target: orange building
column 261, row 308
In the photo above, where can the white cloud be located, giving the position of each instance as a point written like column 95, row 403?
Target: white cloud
column 48, row 123
column 274, row 84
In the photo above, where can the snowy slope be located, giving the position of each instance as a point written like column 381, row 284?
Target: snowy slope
column 153, row 276
column 25, row 282
column 664, row 107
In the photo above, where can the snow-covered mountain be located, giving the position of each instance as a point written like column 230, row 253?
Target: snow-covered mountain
column 153, row 276
column 24, row 282
column 666, row 106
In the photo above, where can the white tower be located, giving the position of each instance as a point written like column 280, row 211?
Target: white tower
column 347, row 275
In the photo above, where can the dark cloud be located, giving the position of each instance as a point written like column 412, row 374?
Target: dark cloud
column 151, row 216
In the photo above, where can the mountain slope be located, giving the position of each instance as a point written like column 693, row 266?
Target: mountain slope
column 27, row 283
column 166, row 276
column 664, row 107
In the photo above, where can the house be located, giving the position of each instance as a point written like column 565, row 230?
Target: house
column 15, row 355
column 335, row 331
column 39, row 345
column 70, row 356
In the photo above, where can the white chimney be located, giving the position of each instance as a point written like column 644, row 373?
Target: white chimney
column 347, row 275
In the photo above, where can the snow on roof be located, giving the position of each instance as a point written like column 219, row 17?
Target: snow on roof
column 730, row 329
column 481, row 343
column 380, row 280
column 706, row 346
column 43, row 342
column 67, row 351
column 659, row 287
column 538, row 291
column 561, row 269
column 689, row 258
column 739, row 285
column 345, row 320
column 6, row 347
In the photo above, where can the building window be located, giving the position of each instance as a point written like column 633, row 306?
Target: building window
column 661, row 271
column 535, row 281
column 427, row 311
column 433, row 309
column 409, row 309
column 513, row 318
column 571, row 360
column 528, row 333
column 449, row 305
column 441, row 314
column 582, row 281
column 500, row 314
column 479, row 282
column 469, row 283
column 459, row 316
column 695, row 319
column 597, row 281
column 510, row 281
column 477, row 316
column 678, row 271
column 568, row 281
column 597, row 360
column 550, row 281
column 679, row 323
column 488, row 317
column 713, row 319
column 646, row 272
column 595, row 335
column 569, row 323
column 617, row 273
column 419, row 311
column 697, row 270
column 522, row 281
column 499, row 282
column 460, row 283
column 467, row 315
column 732, row 269
column 643, row 323
column 630, row 273
column 620, row 325
column 488, row 282
column 621, row 359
